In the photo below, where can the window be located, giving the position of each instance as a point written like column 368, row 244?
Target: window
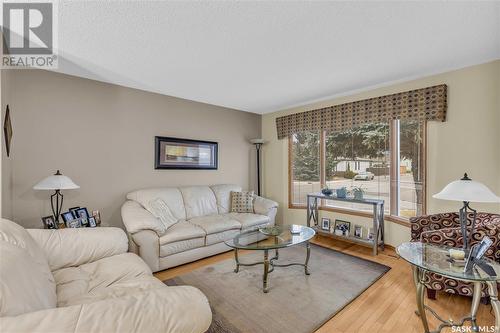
column 305, row 165
column 385, row 159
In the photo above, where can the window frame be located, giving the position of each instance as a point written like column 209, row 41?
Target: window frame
column 393, row 127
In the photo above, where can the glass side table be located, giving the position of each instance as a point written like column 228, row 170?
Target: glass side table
column 425, row 257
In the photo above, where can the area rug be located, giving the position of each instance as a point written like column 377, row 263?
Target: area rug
column 295, row 303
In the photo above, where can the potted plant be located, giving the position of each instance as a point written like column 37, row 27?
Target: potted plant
column 358, row 192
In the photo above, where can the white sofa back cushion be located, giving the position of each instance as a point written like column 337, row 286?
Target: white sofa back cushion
column 223, row 195
column 199, row 201
column 26, row 282
column 170, row 195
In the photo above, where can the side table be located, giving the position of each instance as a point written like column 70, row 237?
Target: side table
column 426, row 257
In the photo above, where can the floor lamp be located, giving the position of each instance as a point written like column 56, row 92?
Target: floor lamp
column 258, row 144
column 56, row 182
column 466, row 190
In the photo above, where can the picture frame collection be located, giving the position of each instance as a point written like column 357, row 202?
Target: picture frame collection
column 75, row 217
column 343, row 229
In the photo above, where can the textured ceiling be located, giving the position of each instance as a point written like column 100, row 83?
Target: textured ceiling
column 265, row 56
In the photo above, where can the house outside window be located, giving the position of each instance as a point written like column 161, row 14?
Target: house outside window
column 386, row 160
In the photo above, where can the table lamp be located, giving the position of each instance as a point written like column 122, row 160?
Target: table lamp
column 56, row 182
column 466, row 190
column 258, row 144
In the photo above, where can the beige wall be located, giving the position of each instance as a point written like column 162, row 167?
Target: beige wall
column 102, row 136
column 469, row 141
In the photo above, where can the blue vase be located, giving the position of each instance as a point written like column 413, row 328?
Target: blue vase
column 341, row 192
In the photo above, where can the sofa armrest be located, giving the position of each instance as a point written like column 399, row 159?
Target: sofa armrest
column 77, row 246
column 147, row 246
column 263, row 206
column 266, row 207
column 136, row 218
column 173, row 309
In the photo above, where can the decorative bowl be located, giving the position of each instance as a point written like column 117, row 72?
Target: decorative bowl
column 271, row 231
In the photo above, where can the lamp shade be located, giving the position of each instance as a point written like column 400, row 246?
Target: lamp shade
column 468, row 190
column 56, row 182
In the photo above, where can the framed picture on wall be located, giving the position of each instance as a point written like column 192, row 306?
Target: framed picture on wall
column 175, row 153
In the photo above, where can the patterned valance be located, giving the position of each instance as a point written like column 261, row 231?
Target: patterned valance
column 421, row 104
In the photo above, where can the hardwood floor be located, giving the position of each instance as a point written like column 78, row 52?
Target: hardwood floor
column 387, row 306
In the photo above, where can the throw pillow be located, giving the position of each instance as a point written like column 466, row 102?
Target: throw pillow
column 242, row 202
column 160, row 210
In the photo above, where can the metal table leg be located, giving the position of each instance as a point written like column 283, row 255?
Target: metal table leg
column 308, row 255
column 237, row 269
column 417, row 275
column 476, row 297
column 266, row 271
column 495, row 303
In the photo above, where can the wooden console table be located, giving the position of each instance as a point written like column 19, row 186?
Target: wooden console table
column 378, row 219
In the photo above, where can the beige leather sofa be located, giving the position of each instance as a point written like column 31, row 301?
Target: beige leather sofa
column 83, row 280
column 203, row 223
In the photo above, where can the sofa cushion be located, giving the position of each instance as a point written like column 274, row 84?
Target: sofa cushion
column 181, row 246
column 221, row 236
column 170, row 195
column 105, row 278
column 198, row 201
column 26, row 282
column 223, row 195
column 180, row 231
column 215, row 223
column 249, row 220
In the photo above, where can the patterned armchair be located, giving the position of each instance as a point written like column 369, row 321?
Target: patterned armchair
column 445, row 229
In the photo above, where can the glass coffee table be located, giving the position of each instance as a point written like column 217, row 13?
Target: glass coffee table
column 426, row 257
column 271, row 238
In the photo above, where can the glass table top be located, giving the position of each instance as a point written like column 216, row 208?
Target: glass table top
column 258, row 240
column 434, row 258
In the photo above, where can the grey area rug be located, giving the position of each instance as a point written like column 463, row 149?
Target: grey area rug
column 295, row 302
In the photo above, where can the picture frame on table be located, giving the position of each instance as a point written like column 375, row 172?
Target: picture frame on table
column 73, row 211
column 342, row 228
column 371, row 234
column 67, row 217
column 325, row 224
column 83, row 215
column 75, row 223
column 97, row 215
column 49, row 222
column 358, row 231
column 92, row 222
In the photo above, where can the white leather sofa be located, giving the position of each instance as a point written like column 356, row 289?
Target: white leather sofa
column 204, row 222
column 83, row 280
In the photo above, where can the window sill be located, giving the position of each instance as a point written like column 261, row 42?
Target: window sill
column 395, row 219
